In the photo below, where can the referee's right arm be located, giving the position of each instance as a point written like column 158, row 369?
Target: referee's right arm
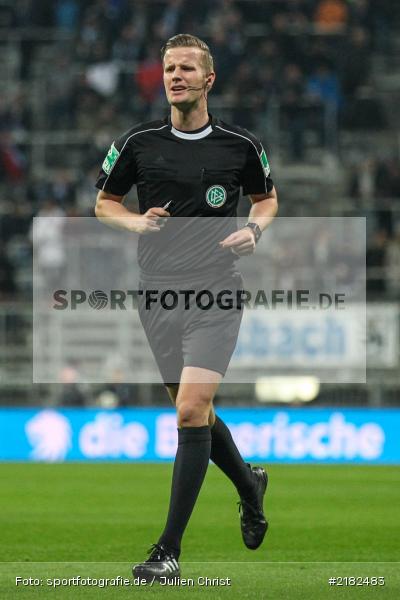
column 116, row 177
column 111, row 211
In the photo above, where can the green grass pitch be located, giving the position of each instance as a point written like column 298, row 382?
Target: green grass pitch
column 65, row 520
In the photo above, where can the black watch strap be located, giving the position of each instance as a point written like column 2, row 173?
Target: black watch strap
column 255, row 229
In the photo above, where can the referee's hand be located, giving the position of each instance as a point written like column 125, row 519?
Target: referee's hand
column 153, row 220
column 241, row 242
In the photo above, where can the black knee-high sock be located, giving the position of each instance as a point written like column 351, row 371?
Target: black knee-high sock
column 191, row 462
column 226, row 456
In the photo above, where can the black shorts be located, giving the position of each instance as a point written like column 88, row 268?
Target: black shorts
column 193, row 322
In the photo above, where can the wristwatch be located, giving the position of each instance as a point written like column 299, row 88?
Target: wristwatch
column 255, row 229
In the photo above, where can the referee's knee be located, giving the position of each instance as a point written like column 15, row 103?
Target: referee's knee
column 193, row 414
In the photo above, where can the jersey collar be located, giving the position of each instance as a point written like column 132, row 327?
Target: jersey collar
column 198, row 134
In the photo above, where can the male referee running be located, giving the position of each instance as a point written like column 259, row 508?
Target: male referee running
column 195, row 165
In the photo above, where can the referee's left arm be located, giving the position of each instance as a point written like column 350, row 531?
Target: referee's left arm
column 263, row 210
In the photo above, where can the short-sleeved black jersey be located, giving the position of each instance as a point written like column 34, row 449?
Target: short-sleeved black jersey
column 200, row 172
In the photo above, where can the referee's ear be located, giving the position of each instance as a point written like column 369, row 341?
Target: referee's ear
column 210, row 78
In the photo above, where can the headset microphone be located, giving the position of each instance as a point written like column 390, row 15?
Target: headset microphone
column 196, row 89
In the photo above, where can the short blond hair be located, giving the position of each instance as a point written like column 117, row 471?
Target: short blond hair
column 185, row 40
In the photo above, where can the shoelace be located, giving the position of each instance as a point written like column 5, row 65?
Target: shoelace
column 158, row 553
column 248, row 512
column 152, row 552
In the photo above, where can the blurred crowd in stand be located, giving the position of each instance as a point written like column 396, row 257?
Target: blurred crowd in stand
column 375, row 188
column 93, row 67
